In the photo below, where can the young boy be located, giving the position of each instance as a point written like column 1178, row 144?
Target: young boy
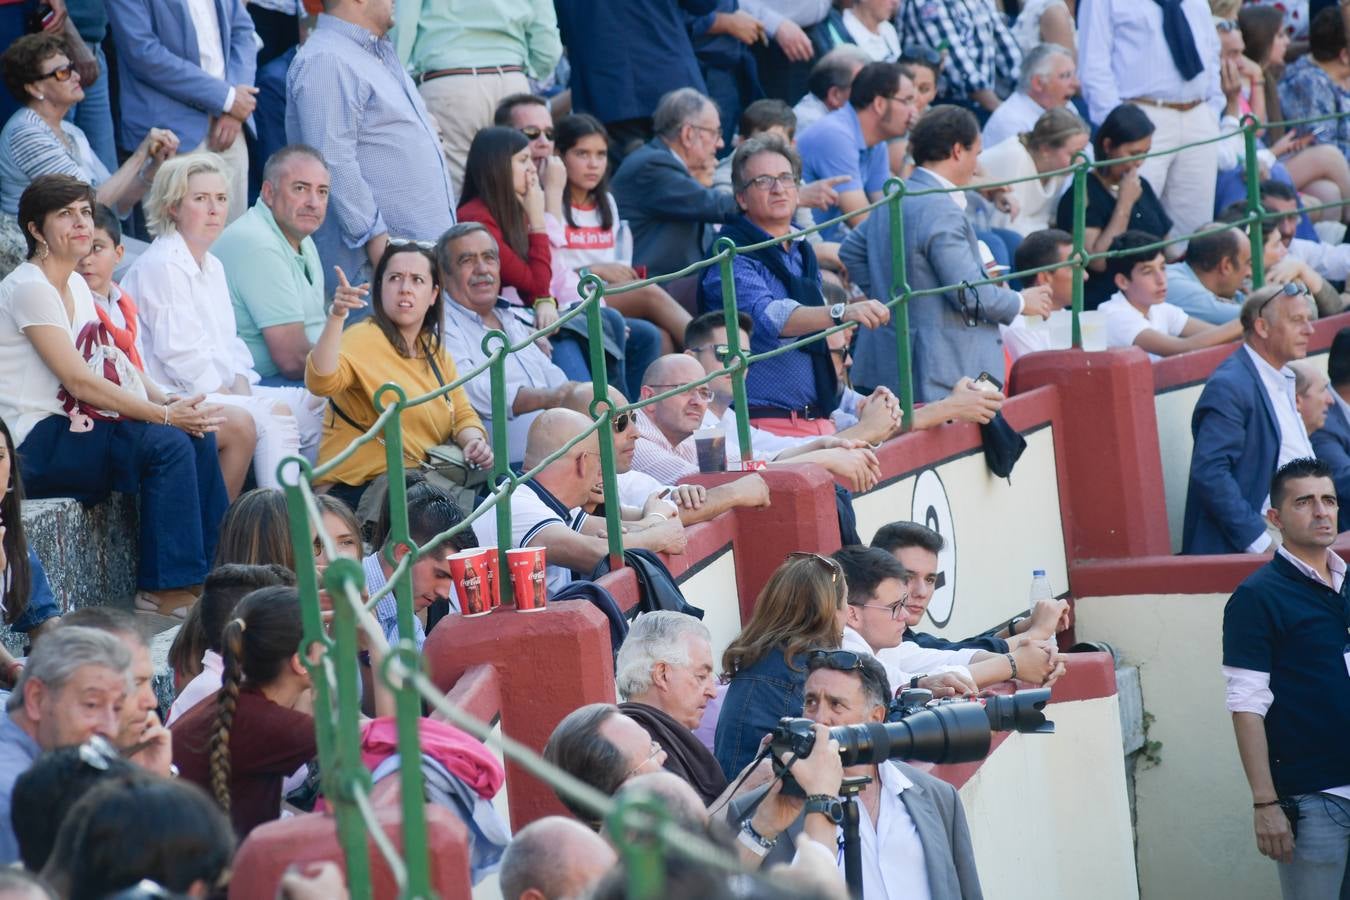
column 1041, row 248
column 1139, row 315
column 116, row 309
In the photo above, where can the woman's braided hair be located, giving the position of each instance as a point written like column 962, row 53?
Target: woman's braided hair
column 258, row 644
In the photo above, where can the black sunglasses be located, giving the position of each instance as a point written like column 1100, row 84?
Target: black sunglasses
column 621, row 422
column 533, row 131
column 839, row 660
column 721, row 352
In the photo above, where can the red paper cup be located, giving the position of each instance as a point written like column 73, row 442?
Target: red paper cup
column 468, row 570
column 493, row 579
column 529, row 580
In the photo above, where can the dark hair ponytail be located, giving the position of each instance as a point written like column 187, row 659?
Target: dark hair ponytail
column 259, row 642
column 17, row 591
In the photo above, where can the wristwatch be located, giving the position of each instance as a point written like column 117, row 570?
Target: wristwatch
column 837, row 313
column 827, row 806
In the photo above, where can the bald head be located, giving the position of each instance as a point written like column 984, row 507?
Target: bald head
column 571, row 476
column 550, row 430
column 580, row 395
column 678, row 797
column 671, row 369
column 679, row 416
column 554, row 858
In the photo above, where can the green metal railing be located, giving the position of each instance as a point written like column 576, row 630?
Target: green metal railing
column 641, row 831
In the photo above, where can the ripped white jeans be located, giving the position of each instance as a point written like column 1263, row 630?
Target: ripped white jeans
column 280, row 434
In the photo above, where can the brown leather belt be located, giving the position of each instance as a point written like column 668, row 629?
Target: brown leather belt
column 422, row 77
column 1167, row 104
column 808, row 413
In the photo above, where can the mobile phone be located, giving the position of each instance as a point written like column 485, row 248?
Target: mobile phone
column 987, row 382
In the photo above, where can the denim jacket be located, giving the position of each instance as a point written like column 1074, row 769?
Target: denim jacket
column 41, row 602
column 756, row 699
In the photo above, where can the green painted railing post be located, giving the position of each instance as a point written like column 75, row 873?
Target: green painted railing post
column 593, row 291
column 1250, row 126
column 339, row 746
column 740, row 405
column 495, row 346
column 895, row 192
column 1080, row 176
column 407, row 704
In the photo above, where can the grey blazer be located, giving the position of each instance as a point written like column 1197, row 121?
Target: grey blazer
column 940, row 249
column 938, row 816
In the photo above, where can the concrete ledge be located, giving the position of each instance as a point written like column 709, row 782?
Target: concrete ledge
column 89, row 552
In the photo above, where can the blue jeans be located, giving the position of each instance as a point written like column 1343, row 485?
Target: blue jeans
column 1321, row 850
column 93, row 114
column 182, row 494
column 639, row 340
column 13, row 25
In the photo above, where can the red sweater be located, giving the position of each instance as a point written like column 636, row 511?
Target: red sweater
column 531, row 277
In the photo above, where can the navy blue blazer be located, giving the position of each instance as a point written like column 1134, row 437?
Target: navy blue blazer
column 1331, row 443
column 1237, row 446
column 159, row 67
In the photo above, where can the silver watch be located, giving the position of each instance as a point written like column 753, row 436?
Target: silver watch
column 837, row 313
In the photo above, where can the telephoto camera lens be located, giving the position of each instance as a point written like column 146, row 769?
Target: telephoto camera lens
column 940, row 734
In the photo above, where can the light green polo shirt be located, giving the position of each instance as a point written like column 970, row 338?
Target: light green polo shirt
column 451, row 34
column 270, row 284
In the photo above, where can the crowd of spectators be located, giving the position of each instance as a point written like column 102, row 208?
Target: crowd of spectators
column 225, row 226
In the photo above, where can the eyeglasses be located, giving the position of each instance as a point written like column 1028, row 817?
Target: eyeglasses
column 656, row 751
column 533, row 131
column 98, row 753
column 1290, row 289
column 893, row 608
column 831, row 565
column 1226, row 25
column 621, row 422
column 721, row 352
column 926, row 55
column 61, row 74
column 841, row 660
column 702, row 392
column 409, row 242
column 842, row 353
column 787, row 181
column 715, row 132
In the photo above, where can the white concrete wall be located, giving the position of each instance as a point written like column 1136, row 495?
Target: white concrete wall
column 997, row 532
column 1194, row 823
column 713, row 589
column 1048, row 813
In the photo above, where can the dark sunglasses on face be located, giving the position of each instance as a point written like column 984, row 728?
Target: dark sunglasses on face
column 533, row 131
column 621, row 422
column 61, row 74
column 721, row 352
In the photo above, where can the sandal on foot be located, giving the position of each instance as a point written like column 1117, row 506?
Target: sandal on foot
column 173, row 602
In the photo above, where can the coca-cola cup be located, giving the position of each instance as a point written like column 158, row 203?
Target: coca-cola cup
column 493, row 577
column 529, row 579
column 468, row 570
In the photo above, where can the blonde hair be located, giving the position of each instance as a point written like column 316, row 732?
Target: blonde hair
column 171, row 186
column 1224, row 9
column 1053, row 128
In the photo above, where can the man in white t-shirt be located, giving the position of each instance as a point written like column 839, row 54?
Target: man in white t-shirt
column 546, row 510
column 1139, row 315
column 1042, row 248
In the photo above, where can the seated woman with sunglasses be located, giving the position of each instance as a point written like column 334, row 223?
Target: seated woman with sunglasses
column 802, row 607
column 37, row 140
column 400, row 342
column 502, row 191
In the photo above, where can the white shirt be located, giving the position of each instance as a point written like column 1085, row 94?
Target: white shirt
column 1015, row 115
column 1124, row 321
column 463, row 335
column 1122, row 55
column 883, row 45
column 1328, row 260
column 1037, row 199
column 210, row 46
column 891, row 852
column 531, row 518
column 1280, row 388
column 187, row 320
column 28, row 389
column 902, row 663
column 809, row 110
column 764, row 445
column 635, row 487
column 198, row 689
column 1248, row 690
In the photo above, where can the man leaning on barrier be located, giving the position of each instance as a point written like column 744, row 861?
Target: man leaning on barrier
column 1284, row 661
column 954, row 334
column 1246, row 426
column 546, row 510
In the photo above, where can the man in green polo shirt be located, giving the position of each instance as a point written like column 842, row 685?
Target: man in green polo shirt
column 273, row 267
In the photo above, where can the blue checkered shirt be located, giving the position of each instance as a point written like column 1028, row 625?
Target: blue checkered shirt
column 981, row 51
column 348, row 95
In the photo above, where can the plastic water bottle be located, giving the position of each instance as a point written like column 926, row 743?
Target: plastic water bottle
column 1040, row 588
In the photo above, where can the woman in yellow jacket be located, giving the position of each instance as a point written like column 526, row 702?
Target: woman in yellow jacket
column 400, row 342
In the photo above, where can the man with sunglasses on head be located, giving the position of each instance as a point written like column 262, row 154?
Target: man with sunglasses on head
column 912, row 827
column 1246, row 426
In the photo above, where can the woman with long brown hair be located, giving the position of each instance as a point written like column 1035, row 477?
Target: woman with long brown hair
column 802, row 607
column 26, row 601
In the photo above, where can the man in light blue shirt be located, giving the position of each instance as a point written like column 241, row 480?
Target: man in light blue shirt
column 276, row 278
column 349, row 97
column 1206, row 283
column 852, row 141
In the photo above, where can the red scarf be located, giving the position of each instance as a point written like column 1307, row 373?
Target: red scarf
column 123, row 338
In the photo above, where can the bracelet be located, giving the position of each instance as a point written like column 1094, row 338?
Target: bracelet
column 166, row 414
column 1012, row 661
column 549, row 300
column 1264, row 805
column 758, row 844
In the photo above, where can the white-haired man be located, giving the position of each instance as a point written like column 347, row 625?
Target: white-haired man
column 1049, row 78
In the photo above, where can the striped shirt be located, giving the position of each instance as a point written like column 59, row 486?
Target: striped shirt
column 655, row 456
column 349, row 97
column 29, row 148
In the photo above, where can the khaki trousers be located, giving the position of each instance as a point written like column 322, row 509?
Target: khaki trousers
column 463, row 104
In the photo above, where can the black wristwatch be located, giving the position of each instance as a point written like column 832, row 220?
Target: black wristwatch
column 827, row 806
column 837, row 313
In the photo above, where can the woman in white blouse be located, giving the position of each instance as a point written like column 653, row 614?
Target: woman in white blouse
column 869, row 24
column 1049, row 146
column 187, row 319
column 81, row 435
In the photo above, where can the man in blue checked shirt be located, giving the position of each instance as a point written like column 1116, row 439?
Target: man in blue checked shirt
column 982, row 55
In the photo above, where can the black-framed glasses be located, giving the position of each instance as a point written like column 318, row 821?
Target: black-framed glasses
column 893, row 608
column 839, row 660
column 841, row 353
column 721, row 352
column 62, row 73
column 830, row 565
column 702, row 391
column 970, row 313
column 534, row 131
column 787, row 181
